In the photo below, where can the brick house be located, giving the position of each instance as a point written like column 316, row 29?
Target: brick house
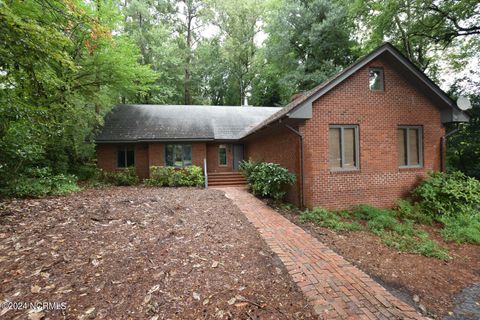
column 368, row 135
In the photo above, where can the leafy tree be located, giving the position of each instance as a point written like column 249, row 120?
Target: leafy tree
column 61, row 69
column 463, row 147
column 151, row 25
column 308, row 41
column 430, row 33
column 239, row 22
column 211, row 67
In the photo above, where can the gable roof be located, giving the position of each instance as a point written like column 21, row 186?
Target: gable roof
column 450, row 111
column 137, row 123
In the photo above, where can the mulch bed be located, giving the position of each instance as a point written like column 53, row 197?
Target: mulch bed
column 140, row 253
column 437, row 283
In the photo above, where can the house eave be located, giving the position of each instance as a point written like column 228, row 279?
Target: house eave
column 449, row 110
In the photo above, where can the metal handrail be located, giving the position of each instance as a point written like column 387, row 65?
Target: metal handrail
column 205, row 172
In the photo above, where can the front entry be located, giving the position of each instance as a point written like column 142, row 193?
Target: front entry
column 237, row 156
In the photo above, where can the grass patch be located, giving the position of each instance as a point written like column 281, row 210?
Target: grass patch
column 395, row 229
column 406, row 210
column 401, row 235
column 328, row 219
column 461, row 228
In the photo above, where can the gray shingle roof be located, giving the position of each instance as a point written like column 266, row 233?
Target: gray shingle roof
column 130, row 123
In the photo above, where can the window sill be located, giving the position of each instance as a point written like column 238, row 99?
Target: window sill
column 335, row 171
column 412, row 168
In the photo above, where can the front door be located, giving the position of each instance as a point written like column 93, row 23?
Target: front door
column 237, row 156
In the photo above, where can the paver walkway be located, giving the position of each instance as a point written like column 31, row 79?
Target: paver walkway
column 335, row 288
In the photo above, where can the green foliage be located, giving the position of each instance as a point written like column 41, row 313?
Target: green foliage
column 461, row 228
column 87, row 172
column 418, row 244
column 463, row 147
column 377, row 219
column 449, row 194
column 432, row 34
column 308, row 42
column 248, row 167
column 191, row 176
column 328, row 219
column 267, row 179
column 122, row 177
column 39, row 182
column 402, row 236
column 407, row 210
column 61, row 69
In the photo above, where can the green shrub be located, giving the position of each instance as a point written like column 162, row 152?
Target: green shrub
column 406, row 210
column 122, row 177
column 87, row 172
column 449, row 194
column 175, row 177
column 247, row 167
column 40, row 182
column 418, row 244
column 328, row 219
column 267, row 179
column 401, row 236
column 377, row 219
column 461, row 228
column 160, row 176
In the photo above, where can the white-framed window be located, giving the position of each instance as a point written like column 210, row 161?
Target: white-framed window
column 222, row 155
column 343, row 147
column 376, row 79
column 410, row 146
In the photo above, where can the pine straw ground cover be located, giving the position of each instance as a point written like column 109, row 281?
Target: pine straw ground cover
column 140, row 253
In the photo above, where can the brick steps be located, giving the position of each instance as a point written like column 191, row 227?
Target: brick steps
column 226, row 179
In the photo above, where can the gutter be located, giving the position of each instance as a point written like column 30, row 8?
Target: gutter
column 302, row 198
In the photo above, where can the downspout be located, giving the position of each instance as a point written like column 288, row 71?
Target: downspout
column 302, row 199
column 443, row 142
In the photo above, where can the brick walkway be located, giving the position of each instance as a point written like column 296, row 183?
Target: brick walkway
column 335, row 288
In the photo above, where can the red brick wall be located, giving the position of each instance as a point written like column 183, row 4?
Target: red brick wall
column 278, row 145
column 146, row 155
column 156, row 154
column 107, row 156
column 379, row 181
column 212, row 158
column 199, row 152
column 141, row 160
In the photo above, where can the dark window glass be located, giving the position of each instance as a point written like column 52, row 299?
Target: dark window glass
column 178, row 155
column 121, row 163
column 125, row 156
column 187, row 155
column 375, row 79
column 130, row 158
column 222, row 155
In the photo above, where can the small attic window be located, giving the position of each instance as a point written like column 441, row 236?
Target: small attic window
column 375, row 79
